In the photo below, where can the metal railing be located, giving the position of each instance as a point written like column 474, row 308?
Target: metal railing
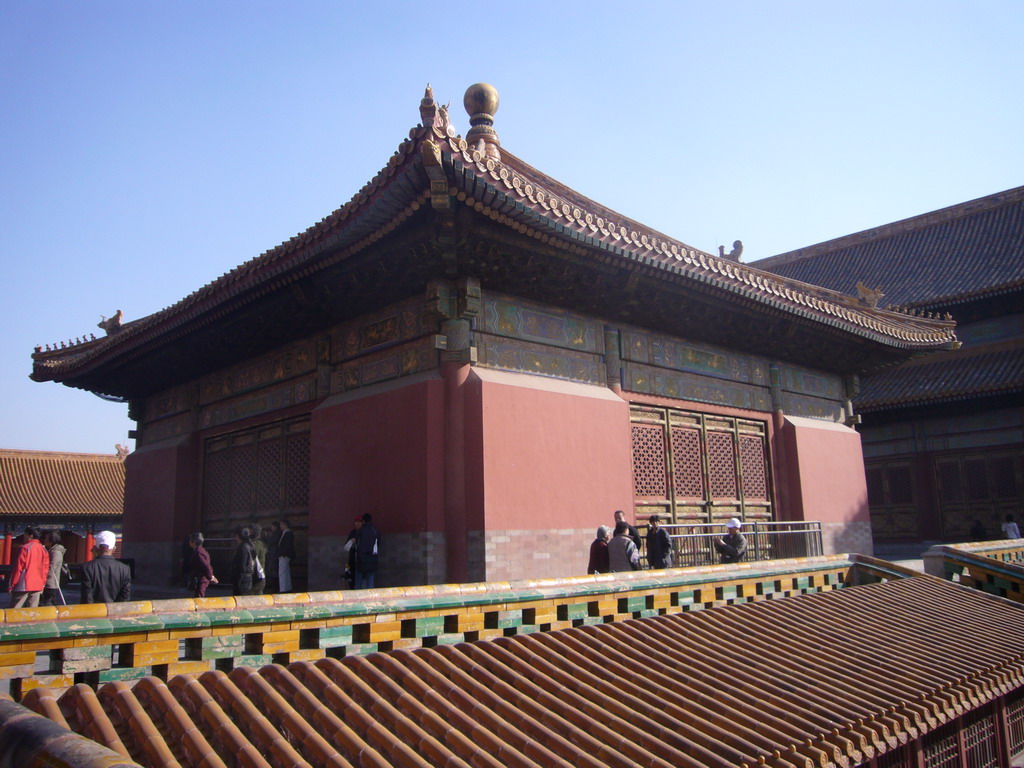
column 693, row 543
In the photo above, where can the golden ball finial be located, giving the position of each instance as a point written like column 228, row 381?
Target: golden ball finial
column 481, row 99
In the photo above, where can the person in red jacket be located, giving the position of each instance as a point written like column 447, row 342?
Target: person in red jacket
column 30, row 571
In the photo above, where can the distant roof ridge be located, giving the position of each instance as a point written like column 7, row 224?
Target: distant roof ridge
column 920, row 221
column 29, row 453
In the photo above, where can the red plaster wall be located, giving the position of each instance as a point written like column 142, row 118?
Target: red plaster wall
column 556, row 455
column 160, row 498
column 826, row 472
column 380, row 451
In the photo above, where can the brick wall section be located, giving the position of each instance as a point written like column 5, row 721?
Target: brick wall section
column 514, row 555
column 405, row 558
column 846, row 537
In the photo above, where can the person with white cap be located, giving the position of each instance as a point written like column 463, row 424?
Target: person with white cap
column 732, row 547
column 104, row 578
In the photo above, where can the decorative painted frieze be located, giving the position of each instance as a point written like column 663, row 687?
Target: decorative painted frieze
column 812, row 407
column 389, row 326
column 166, row 404
column 521, row 356
column 393, row 363
column 806, row 382
column 281, row 364
column 163, row 429
column 647, row 379
column 691, row 357
column 512, row 318
column 263, row 401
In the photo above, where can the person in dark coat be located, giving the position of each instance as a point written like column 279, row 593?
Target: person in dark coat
column 599, row 551
column 634, row 534
column 732, row 547
column 200, row 567
column 259, row 583
column 349, row 574
column 659, row 545
column 367, row 546
column 285, row 555
column 243, row 563
column 104, row 578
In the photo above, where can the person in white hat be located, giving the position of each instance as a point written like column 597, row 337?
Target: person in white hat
column 732, row 547
column 104, row 578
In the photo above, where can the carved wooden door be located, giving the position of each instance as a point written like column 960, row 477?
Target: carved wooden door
column 699, row 468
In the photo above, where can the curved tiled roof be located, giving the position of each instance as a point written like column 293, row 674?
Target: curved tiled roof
column 515, row 195
column 935, row 260
column 946, row 378
column 47, row 483
column 827, row 679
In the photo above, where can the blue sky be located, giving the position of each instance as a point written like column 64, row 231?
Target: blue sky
column 150, row 147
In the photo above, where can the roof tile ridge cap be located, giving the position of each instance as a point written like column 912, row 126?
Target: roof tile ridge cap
column 32, row 453
column 270, row 256
column 579, row 200
column 900, row 226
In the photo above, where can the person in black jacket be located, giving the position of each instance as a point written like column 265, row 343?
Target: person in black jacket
column 105, row 579
column 733, row 546
column 634, row 534
column 285, row 555
column 659, row 545
column 243, row 564
column 367, row 546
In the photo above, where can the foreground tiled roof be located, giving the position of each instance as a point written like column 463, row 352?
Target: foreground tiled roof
column 828, row 679
column 935, row 260
column 436, row 165
column 946, row 378
column 48, row 483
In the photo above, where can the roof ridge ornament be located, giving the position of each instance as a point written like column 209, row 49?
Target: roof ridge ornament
column 428, row 108
column 481, row 102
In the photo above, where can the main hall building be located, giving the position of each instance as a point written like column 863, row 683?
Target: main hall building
column 490, row 363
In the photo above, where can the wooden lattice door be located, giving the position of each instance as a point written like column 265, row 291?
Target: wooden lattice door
column 699, row 468
column 255, row 476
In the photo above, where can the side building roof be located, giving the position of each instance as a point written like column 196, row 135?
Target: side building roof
column 447, row 206
column 937, row 260
column 45, row 483
column 967, row 260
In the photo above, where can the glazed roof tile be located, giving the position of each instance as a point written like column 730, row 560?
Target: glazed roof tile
column 826, row 679
column 516, row 195
column 50, row 483
column 945, row 378
column 934, row 260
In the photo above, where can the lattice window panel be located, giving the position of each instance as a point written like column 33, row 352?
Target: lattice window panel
column 1015, row 721
column 687, row 467
column 1004, row 480
column 876, row 486
column 649, row 476
column 722, row 465
column 297, row 471
column 752, row 463
column 243, row 481
column 950, row 482
column 896, row 758
column 217, row 484
column 268, row 475
column 980, row 746
column 256, row 472
column 901, row 485
column 941, row 747
column 976, row 474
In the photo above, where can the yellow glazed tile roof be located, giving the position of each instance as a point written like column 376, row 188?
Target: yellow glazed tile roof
column 826, row 679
